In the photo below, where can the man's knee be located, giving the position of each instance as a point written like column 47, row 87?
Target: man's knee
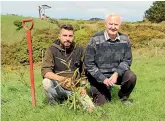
column 99, row 98
column 131, row 77
column 46, row 83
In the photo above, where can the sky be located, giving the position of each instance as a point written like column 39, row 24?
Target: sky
column 129, row 10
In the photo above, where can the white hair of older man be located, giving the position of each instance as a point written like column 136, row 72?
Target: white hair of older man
column 113, row 14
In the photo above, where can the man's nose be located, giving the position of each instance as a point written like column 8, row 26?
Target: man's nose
column 68, row 38
column 112, row 26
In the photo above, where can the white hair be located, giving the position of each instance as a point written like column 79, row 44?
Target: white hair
column 111, row 15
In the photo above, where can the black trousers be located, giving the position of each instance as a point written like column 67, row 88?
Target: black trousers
column 101, row 93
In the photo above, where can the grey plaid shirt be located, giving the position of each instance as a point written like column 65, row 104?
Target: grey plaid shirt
column 104, row 56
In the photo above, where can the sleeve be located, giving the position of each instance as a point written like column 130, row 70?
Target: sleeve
column 127, row 61
column 48, row 63
column 89, row 62
column 81, row 67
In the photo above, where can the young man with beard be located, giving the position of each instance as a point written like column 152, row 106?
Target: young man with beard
column 58, row 57
column 107, row 60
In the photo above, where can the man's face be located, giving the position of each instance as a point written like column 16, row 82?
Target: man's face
column 112, row 24
column 66, row 37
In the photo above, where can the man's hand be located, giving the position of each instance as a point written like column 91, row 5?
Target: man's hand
column 106, row 82
column 67, row 83
column 112, row 80
column 83, row 91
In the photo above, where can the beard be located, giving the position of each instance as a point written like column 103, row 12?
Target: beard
column 68, row 46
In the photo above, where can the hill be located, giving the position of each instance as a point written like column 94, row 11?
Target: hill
column 95, row 19
column 9, row 33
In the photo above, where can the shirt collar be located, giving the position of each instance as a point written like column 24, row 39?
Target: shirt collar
column 107, row 37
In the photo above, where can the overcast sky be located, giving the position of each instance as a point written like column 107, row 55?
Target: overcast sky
column 129, row 10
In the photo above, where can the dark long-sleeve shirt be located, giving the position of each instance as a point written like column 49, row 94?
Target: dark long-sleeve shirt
column 104, row 56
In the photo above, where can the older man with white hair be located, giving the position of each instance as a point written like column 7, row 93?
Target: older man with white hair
column 107, row 60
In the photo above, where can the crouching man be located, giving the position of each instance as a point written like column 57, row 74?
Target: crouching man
column 61, row 59
column 107, row 60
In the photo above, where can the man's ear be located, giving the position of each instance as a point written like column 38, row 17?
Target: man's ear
column 105, row 23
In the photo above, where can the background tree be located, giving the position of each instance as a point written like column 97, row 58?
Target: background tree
column 156, row 12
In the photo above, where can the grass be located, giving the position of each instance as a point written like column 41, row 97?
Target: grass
column 9, row 33
column 148, row 96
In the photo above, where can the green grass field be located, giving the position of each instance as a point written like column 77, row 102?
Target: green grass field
column 148, row 96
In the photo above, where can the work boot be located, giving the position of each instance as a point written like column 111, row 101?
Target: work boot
column 126, row 101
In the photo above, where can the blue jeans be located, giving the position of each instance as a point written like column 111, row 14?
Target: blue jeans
column 54, row 91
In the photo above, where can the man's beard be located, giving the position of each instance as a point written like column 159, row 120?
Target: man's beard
column 69, row 48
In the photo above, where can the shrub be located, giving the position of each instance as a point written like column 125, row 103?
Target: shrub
column 18, row 52
column 140, row 34
column 8, row 54
column 18, row 24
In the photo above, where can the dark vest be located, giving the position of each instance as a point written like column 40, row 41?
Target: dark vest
column 62, row 59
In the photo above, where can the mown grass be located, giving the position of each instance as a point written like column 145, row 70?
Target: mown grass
column 148, row 96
